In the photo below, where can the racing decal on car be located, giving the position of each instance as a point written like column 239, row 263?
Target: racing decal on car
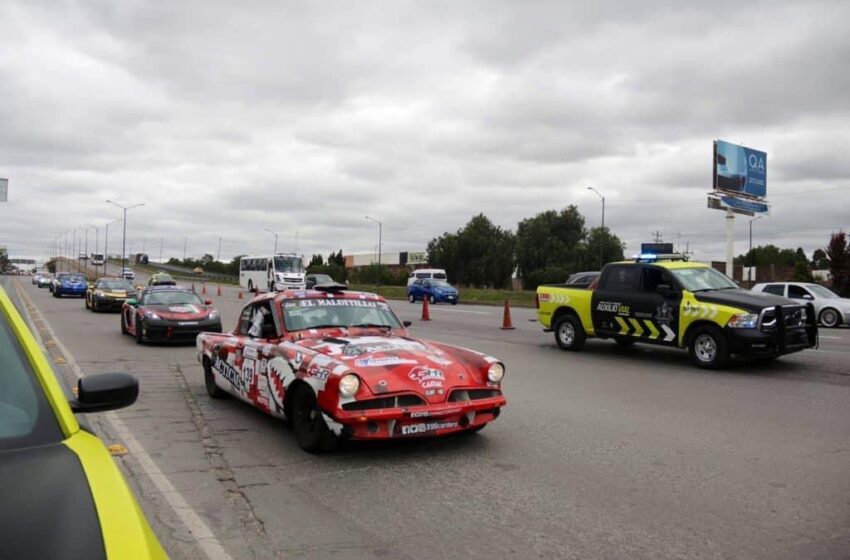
column 278, row 375
column 227, row 371
column 383, row 362
column 423, row 428
column 613, row 307
column 428, row 378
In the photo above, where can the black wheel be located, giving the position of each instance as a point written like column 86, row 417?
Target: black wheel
column 454, row 302
column 411, row 298
column 569, row 334
column 709, row 348
column 88, row 306
column 124, row 329
column 308, row 425
column 622, row 341
column 829, row 318
column 139, row 337
column 432, row 300
column 213, row 390
column 55, row 293
column 94, row 308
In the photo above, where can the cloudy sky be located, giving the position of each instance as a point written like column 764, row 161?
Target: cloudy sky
column 229, row 118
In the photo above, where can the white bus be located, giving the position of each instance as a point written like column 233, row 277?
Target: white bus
column 272, row 273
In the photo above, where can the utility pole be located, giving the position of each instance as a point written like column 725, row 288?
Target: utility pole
column 750, row 252
column 124, row 240
column 657, row 236
column 185, row 243
column 161, row 239
column 602, row 233
column 275, row 239
column 380, row 235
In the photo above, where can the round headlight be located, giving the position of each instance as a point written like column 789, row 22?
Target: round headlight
column 495, row 372
column 349, row 385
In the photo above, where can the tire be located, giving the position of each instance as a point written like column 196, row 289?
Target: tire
column 622, row 341
column 454, row 302
column 411, row 298
column 432, row 300
column 569, row 334
column 88, row 306
column 213, row 390
column 708, row 348
column 56, row 294
column 308, row 425
column 124, row 329
column 139, row 337
column 829, row 318
column 94, row 308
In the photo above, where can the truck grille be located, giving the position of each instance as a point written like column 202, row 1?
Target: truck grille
column 793, row 316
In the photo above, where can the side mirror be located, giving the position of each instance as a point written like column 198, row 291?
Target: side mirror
column 809, row 297
column 407, row 323
column 132, row 303
column 105, row 391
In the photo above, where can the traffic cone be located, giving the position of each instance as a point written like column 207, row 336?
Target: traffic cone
column 218, row 292
column 204, row 289
column 426, row 313
column 506, row 319
column 240, row 294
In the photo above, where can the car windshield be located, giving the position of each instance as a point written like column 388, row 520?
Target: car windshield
column 115, row 285
column 440, row 284
column 76, row 278
column 26, row 419
column 288, row 264
column 319, row 313
column 702, row 279
column 62, row 275
column 171, row 298
column 821, row 292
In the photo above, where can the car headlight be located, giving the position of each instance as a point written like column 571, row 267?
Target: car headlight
column 213, row 314
column 349, row 385
column 495, row 372
column 98, row 293
column 743, row 321
column 151, row 315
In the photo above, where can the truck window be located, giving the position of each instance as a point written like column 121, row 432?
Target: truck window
column 622, row 279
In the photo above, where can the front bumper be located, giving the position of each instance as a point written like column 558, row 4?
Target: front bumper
column 753, row 342
column 177, row 331
column 418, row 421
column 108, row 303
column 70, row 291
column 448, row 298
column 280, row 286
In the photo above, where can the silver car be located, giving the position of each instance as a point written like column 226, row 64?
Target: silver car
column 832, row 310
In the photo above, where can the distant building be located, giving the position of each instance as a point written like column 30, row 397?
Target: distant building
column 405, row 260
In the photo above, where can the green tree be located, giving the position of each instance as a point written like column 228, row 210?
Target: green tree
column 549, row 246
column 612, row 249
column 802, row 273
column 480, row 254
column 819, row 260
column 838, row 254
column 317, row 260
column 764, row 256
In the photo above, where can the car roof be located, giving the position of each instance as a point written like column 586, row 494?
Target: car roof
column 167, row 288
column 320, row 294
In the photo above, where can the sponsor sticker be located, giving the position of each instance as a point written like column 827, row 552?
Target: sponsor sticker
column 428, row 378
column 424, row 428
column 380, row 362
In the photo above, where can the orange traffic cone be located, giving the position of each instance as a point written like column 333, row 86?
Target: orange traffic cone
column 506, row 319
column 426, row 313
column 218, row 292
column 240, row 294
column 204, row 289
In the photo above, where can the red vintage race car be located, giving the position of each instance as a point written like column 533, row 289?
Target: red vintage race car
column 168, row 314
column 340, row 364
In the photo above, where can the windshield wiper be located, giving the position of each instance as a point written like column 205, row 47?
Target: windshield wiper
column 373, row 325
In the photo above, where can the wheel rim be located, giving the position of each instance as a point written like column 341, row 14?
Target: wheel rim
column 829, row 318
column 567, row 333
column 705, row 348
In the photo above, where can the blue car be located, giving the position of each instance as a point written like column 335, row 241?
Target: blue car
column 434, row 290
column 70, row 285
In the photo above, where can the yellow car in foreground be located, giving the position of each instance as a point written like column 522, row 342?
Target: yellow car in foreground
column 61, row 493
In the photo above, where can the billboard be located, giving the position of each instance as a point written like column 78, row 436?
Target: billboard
column 4, row 189
column 740, row 170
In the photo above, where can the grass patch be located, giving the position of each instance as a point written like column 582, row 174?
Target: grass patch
column 467, row 295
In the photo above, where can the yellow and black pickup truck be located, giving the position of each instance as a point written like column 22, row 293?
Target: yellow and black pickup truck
column 672, row 302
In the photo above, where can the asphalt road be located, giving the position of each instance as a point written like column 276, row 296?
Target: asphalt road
column 607, row 453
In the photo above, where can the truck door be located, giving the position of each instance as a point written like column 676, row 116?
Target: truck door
column 612, row 300
column 655, row 310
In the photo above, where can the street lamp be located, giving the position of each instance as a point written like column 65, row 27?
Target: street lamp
column 750, row 253
column 86, row 250
column 380, row 235
column 124, row 239
column 106, row 246
column 275, row 239
column 602, row 237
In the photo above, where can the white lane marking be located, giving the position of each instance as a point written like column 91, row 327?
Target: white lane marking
column 466, row 311
column 196, row 526
column 831, row 337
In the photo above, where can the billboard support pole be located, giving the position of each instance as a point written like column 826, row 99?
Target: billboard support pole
column 730, row 243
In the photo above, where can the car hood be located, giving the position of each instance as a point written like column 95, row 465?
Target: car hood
column 114, row 293
column 391, row 364
column 178, row 312
column 48, row 510
column 753, row 302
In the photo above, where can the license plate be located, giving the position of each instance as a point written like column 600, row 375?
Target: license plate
column 187, row 323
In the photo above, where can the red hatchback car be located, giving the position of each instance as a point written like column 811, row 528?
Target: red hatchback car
column 340, row 364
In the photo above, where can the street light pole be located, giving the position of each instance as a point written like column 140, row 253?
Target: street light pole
column 602, row 237
column 380, row 235
column 124, row 239
column 750, row 253
column 275, row 239
column 106, row 247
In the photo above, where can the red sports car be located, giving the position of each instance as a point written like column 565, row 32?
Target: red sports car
column 168, row 313
column 340, row 364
